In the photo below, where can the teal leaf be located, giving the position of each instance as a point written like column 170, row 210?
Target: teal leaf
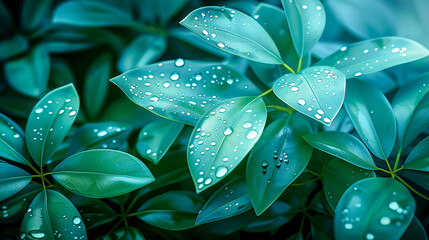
column 13, row 46
column 5, row 19
column 223, row 137
column 128, row 233
column 372, row 116
column 277, row 159
column 102, row 173
column 61, row 73
column 29, row 74
column 383, row 206
column 317, row 92
column 229, row 200
column 112, row 135
column 51, row 216
column 343, row 145
column 143, row 50
column 12, row 180
column 233, row 31
column 174, row 210
column 410, row 106
column 374, row 55
column 96, row 85
column 34, row 12
column 14, row 208
column 415, row 231
column 339, row 176
column 418, row 159
column 12, row 141
column 183, row 90
column 163, row 13
column 95, row 212
column 49, row 122
column 156, row 138
column 91, row 14
column 273, row 218
column 306, row 19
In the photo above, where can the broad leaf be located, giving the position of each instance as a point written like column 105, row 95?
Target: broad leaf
column 372, row 116
column 94, row 212
column 306, row 19
column 273, row 218
column 410, row 106
column 102, row 173
column 52, row 216
column 317, row 92
column 61, row 73
column 156, row 138
column 143, row 50
column 229, row 200
column 12, row 141
column 174, row 210
column 418, row 159
column 49, row 122
column 374, row 208
column 12, row 180
column 343, row 145
column 223, row 137
column 29, row 74
column 183, row 90
column 277, row 160
column 234, row 32
column 14, row 208
column 374, row 55
column 338, row 176
column 13, row 46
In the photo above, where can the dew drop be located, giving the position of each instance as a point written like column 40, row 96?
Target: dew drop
column 327, row 120
column 72, row 113
column 180, row 62
column 251, row 134
column 225, row 159
column 301, row 102
column 247, row 125
column 230, row 81
column 221, row 171
column 222, row 110
column 385, row 221
column 369, row 236
column 198, row 76
column 174, row 76
column 208, row 181
column 264, row 164
column 358, row 74
column 228, row 131
column 221, row 44
column 294, row 89
column 37, row 234
column 39, row 110
column 200, row 180
column 101, row 133
column 77, row 220
column 166, row 84
column 348, row 226
column 16, row 135
column 393, row 205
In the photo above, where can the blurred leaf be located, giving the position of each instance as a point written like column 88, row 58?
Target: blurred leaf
column 415, row 231
column 14, row 208
column 163, row 13
column 34, row 12
column 418, row 159
column 5, row 19
column 12, row 180
column 322, row 227
column 61, row 73
column 12, row 141
column 128, row 233
column 94, row 212
column 274, row 217
column 13, row 46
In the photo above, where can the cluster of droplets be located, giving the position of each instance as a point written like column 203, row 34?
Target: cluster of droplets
column 108, row 132
column 277, row 160
column 313, row 10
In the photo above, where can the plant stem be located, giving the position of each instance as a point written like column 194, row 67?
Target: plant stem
column 289, row 111
column 288, row 68
column 43, row 179
column 299, row 65
column 314, row 173
column 397, row 170
column 398, row 156
column 114, row 227
column 304, row 183
column 390, row 168
column 265, row 93
column 411, row 188
column 34, row 169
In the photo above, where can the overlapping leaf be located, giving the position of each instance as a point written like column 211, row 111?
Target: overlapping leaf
column 12, row 141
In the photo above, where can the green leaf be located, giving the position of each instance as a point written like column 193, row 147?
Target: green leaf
column 322, row 227
column 273, row 218
column 61, row 73
column 372, row 116
column 277, row 160
column 174, row 210
column 374, row 55
column 415, row 231
column 12, row 180
column 420, row 178
column 317, row 92
column 14, row 208
column 34, row 12
column 49, row 122
column 29, row 74
column 96, row 84
column 223, row 137
column 112, row 135
column 52, row 216
column 102, row 173
column 306, row 19
column 91, row 14
column 418, row 159
column 95, row 212
column 5, row 19
column 338, row 176
column 12, row 141
column 128, row 233
column 143, row 50
column 410, row 106
column 343, row 145
column 235, row 32
column 383, row 207
column 156, row 138
column 229, row 200
column 163, row 13
column 183, row 90
column 13, row 46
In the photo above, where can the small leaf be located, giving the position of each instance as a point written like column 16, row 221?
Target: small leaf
column 174, row 210
column 156, row 138
column 49, row 122
column 338, row 176
column 223, row 137
column 343, row 145
column 128, row 233
column 183, row 90
column 12, row 180
column 13, row 46
column 229, row 200
column 12, row 141
column 14, row 208
column 372, row 117
column 96, row 85
column 306, row 19
column 34, row 12
column 143, row 50
column 418, row 159
column 374, row 55
column 277, row 160
column 50, row 216
column 383, row 207
column 29, row 74
column 233, row 31
column 410, row 109
column 317, row 92
column 102, row 173
column 91, row 14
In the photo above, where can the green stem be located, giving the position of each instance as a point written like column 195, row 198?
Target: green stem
column 43, row 179
column 411, row 188
column 288, row 68
column 34, row 169
column 299, row 65
column 265, row 93
column 114, row 227
column 302, row 222
column 398, row 157
column 314, row 173
column 304, row 183
column 399, row 169
column 289, row 111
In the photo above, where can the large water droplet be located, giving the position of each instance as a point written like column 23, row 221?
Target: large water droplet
column 37, row 234
column 198, row 76
column 174, row 76
column 179, row 62
column 228, row 131
column 101, row 133
column 72, row 113
column 385, row 221
column 369, row 236
column 348, row 226
column 16, row 135
column 221, row 171
column 264, row 164
column 251, row 134
column 221, row 44
column 38, row 110
column 166, row 84
column 77, row 220
column 208, row 181
column 301, row 102
column 247, row 125
column 200, row 180
column 393, row 205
